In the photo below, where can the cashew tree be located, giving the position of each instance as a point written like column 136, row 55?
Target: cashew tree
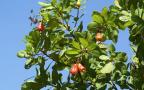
column 66, row 56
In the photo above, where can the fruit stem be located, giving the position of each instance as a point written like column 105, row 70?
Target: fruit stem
column 80, row 77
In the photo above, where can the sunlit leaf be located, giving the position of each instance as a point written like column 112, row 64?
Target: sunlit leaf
column 116, row 2
column 125, row 18
column 76, row 44
column 84, row 42
column 108, row 68
column 44, row 4
column 104, row 12
column 104, row 57
column 111, row 47
column 72, row 52
column 92, row 26
column 97, row 18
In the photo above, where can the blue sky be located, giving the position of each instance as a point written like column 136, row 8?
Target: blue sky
column 14, row 24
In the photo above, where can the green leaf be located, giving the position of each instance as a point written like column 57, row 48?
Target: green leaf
column 89, row 36
column 104, row 57
column 114, row 9
column 95, row 53
column 135, row 60
column 126, row 13
column 102, row 46
column 139, row 12
column 134, row 48
column 129, row 23
column 121, row 26
column 34, row 38
column 124, row 18
column 92, row 46
column 115, row 36
column 84, row 42
column 25, row 87
column 40, row 60
column 80, row 27
column 111, row 48
column 137, row 19
column 31, row 85
column 92, row 26
column 72, row 52
column 116, row 2
column 104, row 12
column 44, row 4
column 122, row 56
column 108, row 68
column 30, row 62
column 29, row 48
column 62, row 52
column 75, row 44
column 98, row 19
column 47, row 44
column 101, row 86
column 54, row 1
column 116, row 75
column 130, row 81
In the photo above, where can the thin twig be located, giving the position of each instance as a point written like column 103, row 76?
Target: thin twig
column 45, row 54
column 113, row 85
column 29, row 78
column 76, row 17
column 49, row 65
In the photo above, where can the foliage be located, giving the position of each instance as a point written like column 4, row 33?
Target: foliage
column 65, row 43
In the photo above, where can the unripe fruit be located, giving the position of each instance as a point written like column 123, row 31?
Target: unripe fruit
column 74, row 69
column 78, row 4
column 99, row 37
column 40, row 27
column 81, row 68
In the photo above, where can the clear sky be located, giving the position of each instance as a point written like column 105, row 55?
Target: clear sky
column 14, row 24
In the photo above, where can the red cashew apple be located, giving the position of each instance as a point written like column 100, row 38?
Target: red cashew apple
column 40, row 27
column 81, row 68
column 74, row 69
column 99, row 36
